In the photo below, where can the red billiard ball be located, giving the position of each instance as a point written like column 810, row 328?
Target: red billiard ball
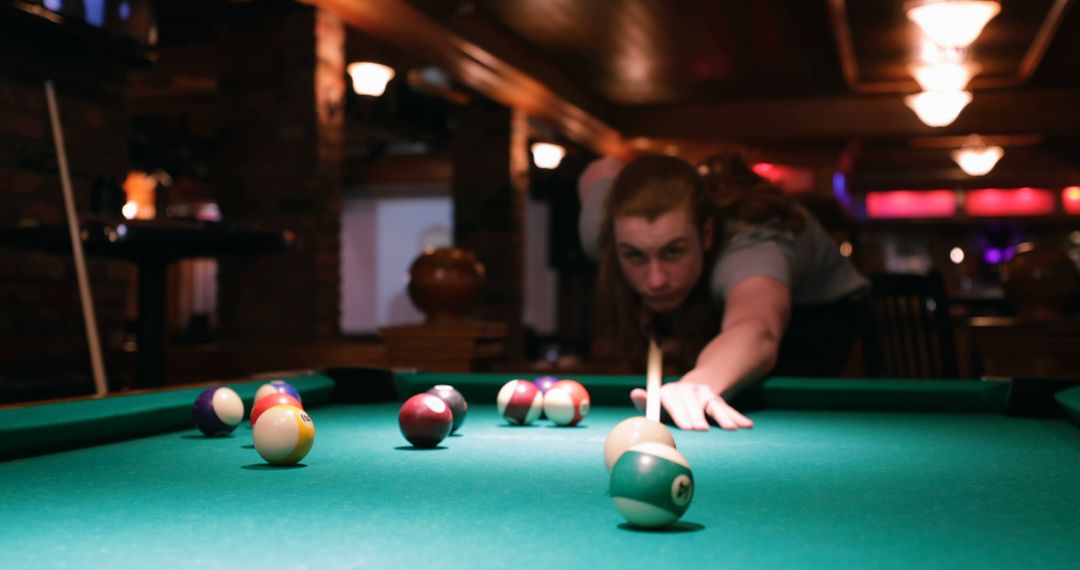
column 267, row 402
column 566, row 403
column 520, row 402
column 425, row 420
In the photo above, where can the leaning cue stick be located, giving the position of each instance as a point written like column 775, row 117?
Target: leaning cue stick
column 653, row 372
column 85, row 298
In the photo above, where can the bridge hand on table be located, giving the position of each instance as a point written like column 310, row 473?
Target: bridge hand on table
column 686, row 403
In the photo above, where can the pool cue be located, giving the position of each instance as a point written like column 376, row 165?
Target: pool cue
column 89, row 319
column 653, row 372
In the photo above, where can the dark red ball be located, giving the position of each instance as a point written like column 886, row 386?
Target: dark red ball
column 425, row 420
column 458, row 406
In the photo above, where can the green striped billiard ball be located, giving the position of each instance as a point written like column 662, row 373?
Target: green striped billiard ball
column 652, row 485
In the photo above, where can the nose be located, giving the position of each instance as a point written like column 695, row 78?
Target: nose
column 657, row 276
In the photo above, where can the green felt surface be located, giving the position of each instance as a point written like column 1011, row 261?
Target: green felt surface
column 802, row 489
column 84, row 422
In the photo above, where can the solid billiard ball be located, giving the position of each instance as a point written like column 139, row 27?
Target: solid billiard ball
column 217, row 411
column 544, row 383
column 566, row 403
column 520, row 402
column 425, row 420
column 630, row 432
column 284, row 435
column 267, row 402
column 277, row 387
column 652, row 485
column 458, row 406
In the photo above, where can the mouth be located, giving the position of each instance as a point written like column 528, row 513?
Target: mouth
column 660, row 301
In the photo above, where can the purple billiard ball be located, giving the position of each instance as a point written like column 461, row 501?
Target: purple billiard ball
column 217, row 411
column 544, row 383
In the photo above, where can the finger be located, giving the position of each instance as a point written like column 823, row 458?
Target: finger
column 728, row 417
column 676, row 408
column 639, row 397
column 740, row 420
column 696, row 401
column 721, row 415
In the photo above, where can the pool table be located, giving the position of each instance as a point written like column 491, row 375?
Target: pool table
column 841, row 473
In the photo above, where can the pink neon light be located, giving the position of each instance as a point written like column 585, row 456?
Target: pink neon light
column 1070, row 199
column 1014, row 202
column 763, row 169
column 911, row 204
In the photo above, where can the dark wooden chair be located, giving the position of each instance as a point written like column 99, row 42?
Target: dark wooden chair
column 909, row 332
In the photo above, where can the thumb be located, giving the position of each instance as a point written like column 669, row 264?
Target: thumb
column 639, row 396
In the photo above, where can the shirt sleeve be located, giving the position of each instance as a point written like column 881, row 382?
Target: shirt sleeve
column 592, row 217
column 761, row 251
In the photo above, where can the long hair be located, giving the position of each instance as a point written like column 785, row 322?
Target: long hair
column 721, row 189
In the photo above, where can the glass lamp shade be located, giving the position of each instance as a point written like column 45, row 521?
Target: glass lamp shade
column 938, row 108
column 944, row 75
column 370, row 78
column 547, row 155
column 975, row 158
column 952, row 23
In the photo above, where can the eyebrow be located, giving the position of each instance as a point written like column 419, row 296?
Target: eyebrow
column 675, row 242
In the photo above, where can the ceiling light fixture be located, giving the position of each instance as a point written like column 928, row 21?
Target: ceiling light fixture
column 938, row 108
column 547, row 155
column 952, row 23
column 944, row 75
column 975, row 158
column 370, row 78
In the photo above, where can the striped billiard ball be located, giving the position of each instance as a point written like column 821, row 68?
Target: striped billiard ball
column 217, row 411
column 652, row 485
column 425, row 420
column 458, row 406
column 520, row 402
column 284, row 435
column 277, row 387
column 267, row 402
column 566, row 403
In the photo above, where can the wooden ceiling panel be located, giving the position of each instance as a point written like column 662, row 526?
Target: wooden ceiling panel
column 659, row 52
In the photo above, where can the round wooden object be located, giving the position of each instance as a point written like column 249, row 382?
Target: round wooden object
column 445, row 283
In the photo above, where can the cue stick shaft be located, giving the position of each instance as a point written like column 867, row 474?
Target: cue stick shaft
column 653, row 372
column 85, row 298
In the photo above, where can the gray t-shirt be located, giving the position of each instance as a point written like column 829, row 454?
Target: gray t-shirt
column 809, row 262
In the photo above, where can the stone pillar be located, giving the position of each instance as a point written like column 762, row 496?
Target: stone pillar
column 491, row 165
column 281, row 131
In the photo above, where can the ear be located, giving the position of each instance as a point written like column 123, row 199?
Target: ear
column 707, row 234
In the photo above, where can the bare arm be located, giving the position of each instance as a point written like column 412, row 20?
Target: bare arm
column 756, row 314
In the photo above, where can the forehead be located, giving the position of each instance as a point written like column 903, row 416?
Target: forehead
column 642, row 233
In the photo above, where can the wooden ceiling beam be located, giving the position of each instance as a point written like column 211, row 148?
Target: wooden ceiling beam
column 1044, row 111
column 580, row 117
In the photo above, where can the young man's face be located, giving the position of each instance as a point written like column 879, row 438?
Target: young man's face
column 662, row 260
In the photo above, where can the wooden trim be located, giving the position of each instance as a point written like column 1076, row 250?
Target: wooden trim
column 579, row 116
column 1032, row 58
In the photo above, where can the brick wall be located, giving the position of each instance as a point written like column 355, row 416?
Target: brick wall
column 41, row 327
column 280, row 113
column 491, row 165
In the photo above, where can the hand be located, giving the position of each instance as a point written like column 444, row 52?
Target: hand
column 688, row 403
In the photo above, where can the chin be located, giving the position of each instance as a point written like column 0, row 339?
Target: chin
column 662, row 307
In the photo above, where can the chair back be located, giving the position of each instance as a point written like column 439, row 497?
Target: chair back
column 909, row 333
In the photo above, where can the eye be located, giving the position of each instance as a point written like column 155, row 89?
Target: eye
column 633, row 256
column 672, row 252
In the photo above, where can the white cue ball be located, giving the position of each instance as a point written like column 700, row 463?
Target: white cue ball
column 633, row 431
